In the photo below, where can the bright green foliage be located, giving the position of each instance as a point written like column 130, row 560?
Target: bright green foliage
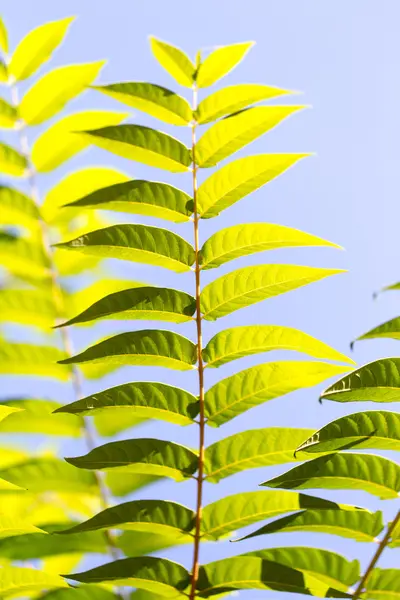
column 220, row 62
column 12, row 162
column 8, row 115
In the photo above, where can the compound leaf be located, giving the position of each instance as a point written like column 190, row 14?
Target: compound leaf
column 220, row 62
column 174, row 60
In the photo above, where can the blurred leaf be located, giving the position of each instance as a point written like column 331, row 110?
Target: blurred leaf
column 143, row 144
column 30, row 359
column 174, row 60
column 33, row 307
column 53, row 91
column 8, row 115
column 18, row 582
column 138, row 543
column 24, row 258
column 383, row 584
column 130, row 482
column 153, row 99
column 36, row 416
column 3, row 36
column 11, row 527
column 16, row 207
column 12, row 162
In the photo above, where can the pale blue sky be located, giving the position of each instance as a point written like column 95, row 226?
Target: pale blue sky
column 343, row 55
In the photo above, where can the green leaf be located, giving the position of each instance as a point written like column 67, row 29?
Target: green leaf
column 36, row 416
column 146, row 399
column 148, row 347
column 328, row 567
column 373, row 474
column 130, row 482
column 23, row 258
column 220, row 62
column 52, row 92
column 74, row 186
column 230, row 134
column 6, row 411
column 241, row 510
column 157, row 101
column 240, row 392
column 3, row 37
column 389, row 329
column 383, row 584
column 108, row 424
column 249, row 285
column 140, row 197
column 80, row 300
column 234, row 98
column 8, row 115
column 239, row 178
column 15, row 207
column 60, row 141
column 237, row 342
column 154, row 516
column 143, row 144
column 31, row 359
column 18, row 582
column 251, row 449
column 248, row 238
column 378, row 381
column 148, row 303
column 86, row 592
column 358, row 525
column 144, row 456
column 34, row 307
column 255, row 573
column 138, row 243
column 139, row 543
column 174, row 60
column 11, row 526
column 45, row 474
column 37, row 47
column 3, row 72
column 370, row 429
column 12, row 162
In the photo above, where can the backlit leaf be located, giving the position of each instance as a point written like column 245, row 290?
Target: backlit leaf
column 367, row 472
column 16, row 207
column 60, row 141
column 146, row 399
column 54, row 90
column 359, row 525
column 237, row 342
column 236, row 394
column 31, row 359
column 149, row 347
column 12, row 162
column 144, row 456
column 10, row 527
column 149, row 303
column 155, row 100
column 6, row 411
column 370, row 429
column 249, row 238
column 34, row 307
column 250, row 450
column 36, row 416
column 37, row 47
column 3, row 36
column 23, row 258
column 378, row 381
column 3, row 72
column 130, row 482
column 174, row 60
column 138, row 243
column 138, row 543
column 383, row 584
column 142, row 144
column 234, row 98
column 249, row 285
column 18, row 581
column 86, row 592
column 230, row 134
column 140, row 197
column 220, row 62
column 389, row 329
column 8, row 115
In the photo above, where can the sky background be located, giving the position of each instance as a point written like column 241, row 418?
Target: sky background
column 343, row 55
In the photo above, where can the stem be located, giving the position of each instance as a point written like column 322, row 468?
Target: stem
column 76, row 377
column 382, row 545
column 200, row 478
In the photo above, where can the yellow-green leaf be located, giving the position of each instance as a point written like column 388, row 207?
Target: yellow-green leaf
column 8, row 115
column 23, row 257
column 18, row 582
column 16, row 207
column 36, row 416
column 52, row 92
column 3, row 72
column 12, row 162
column 220, row 62
column 37, row 47
column 33, row 360
column 3, row 36
column 174, row 60
column 34, row 307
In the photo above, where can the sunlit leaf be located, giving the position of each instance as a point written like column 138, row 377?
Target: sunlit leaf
column 140, row 197
column 151, row 347
column 108, row 424
column 37, row 47
column 146, row 399
column 12, row 162
column 383, row 584
column 6, row 410
column 370, row 429
column 220, row 62
column 155, row 100
column 18, row 581
column 144, row 456
column 250, row 450
column 249, row 285
column 237, row 342
column 10, row 527
column 359, row 525
column 174, row 60
column 86, row 592
column 138, row 243
column 54, row 90
column 138, row 543
column 31, row 359
column 148, row 303
column 249, row 238
column 3, row 72
column 8, row 115
column 240, row 392
column 24, row 258
column 34, row 307
column 60, row 141
column 36, row 416
column 80, row 300
column 3, row 36
column 130, row 482
column 374, row 474
column 16, row 207
column 143, row 144
column 378, row 381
